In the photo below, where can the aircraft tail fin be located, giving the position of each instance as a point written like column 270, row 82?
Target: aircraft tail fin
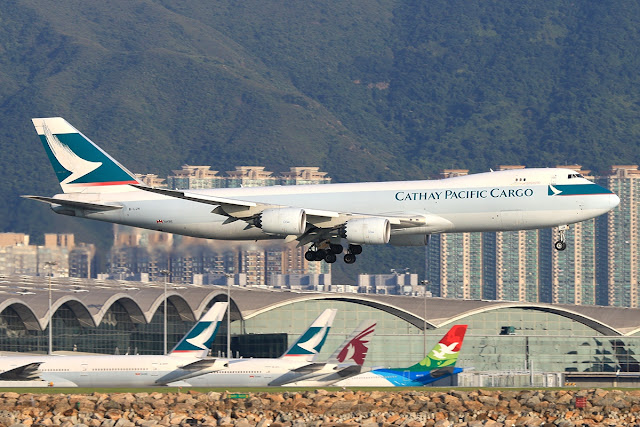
column 79, row 164
column 198, row 340
column 309, row 344
column 354, row 349
column 445, row 353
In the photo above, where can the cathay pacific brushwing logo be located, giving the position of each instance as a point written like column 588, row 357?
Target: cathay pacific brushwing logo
column 553, row 191
column 312, row 344
column 199, row 342
column 69, row 160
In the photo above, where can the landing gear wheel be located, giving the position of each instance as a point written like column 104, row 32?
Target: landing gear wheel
column 349, row 258
column 561, row 244
column 310, row 256
column 336, row 249
column 320, row 254
column 355, row 249
column 330, row 258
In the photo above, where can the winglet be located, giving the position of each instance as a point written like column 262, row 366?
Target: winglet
column 445, row 353
column 311, row 341
column 198, row 340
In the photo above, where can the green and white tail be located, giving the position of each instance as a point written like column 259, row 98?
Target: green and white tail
column 79, row 164
column 445, row 353
column 311, row 341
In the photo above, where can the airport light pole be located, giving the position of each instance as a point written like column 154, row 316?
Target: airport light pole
column 165, row 273
column 424, row 283
column 50, row 265
column 228, row 276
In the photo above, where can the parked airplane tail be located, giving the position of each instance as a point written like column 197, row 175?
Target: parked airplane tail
column 445, row 354
column 78, row 163
column 354, row 349
column 198, row 340
column 311, row 341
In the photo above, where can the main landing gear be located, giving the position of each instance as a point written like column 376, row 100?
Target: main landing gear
column 328, row 252
column 561, row 244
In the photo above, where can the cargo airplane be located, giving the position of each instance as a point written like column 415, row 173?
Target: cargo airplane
column 118, row 370
column 403, row 213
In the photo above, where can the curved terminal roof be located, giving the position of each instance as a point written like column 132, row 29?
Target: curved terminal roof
column 90, row 299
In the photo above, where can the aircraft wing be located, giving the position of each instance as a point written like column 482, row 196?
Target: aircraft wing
column 317, row 370
column 242, row 209
column 27, row 372
column 194, row 369
column 74, row 203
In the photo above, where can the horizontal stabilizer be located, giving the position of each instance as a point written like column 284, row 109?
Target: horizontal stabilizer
column 28, row 372
column 195, row 369
column 74, row 203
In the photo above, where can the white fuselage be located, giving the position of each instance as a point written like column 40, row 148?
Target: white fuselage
column 248, row 373
column 491, row 201
column 99, row 370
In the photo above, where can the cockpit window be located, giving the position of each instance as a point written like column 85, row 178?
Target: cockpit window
column 575, row 175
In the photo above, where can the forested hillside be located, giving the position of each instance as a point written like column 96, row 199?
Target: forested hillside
column 374, row 90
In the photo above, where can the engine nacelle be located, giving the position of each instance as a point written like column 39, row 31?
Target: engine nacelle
column 282, row 221
column 409, row 239
column 372, row 231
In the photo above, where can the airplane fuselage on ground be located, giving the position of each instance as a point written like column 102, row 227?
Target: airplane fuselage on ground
column 98, row 370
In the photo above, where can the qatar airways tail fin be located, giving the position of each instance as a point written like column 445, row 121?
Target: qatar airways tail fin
column 198, row 340
column 311, row 341
column 79, row 164
column 354, row 349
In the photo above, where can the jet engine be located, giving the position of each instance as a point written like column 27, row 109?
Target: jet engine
column 282, row 221
column 409, row 239
column 372, row 231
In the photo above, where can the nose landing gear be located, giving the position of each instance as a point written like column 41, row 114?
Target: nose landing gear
column 561, row 244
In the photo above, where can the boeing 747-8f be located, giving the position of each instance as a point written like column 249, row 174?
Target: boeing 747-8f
column 402, row 213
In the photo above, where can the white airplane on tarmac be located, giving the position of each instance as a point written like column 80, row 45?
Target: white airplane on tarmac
column 402, row 213
column 116, row 370
column 259, row 371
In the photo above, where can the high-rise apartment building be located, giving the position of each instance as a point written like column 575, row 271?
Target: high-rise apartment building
column 300, row 175
column 514, row 265
column 250, row 176
column 619, row 240
column 195, row 177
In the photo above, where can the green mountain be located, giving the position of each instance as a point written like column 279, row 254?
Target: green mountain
column 376, row 90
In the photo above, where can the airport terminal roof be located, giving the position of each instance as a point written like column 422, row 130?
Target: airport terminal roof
column 90, row 300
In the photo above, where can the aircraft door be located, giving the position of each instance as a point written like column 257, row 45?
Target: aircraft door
column 154, row 369
column 84, row 368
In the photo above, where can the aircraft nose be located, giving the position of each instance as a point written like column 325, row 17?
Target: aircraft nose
column 614, row 201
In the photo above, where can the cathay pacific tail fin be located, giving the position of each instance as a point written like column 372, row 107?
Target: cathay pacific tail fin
column 79, row 164
column 198, row 340
column 311, row 341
